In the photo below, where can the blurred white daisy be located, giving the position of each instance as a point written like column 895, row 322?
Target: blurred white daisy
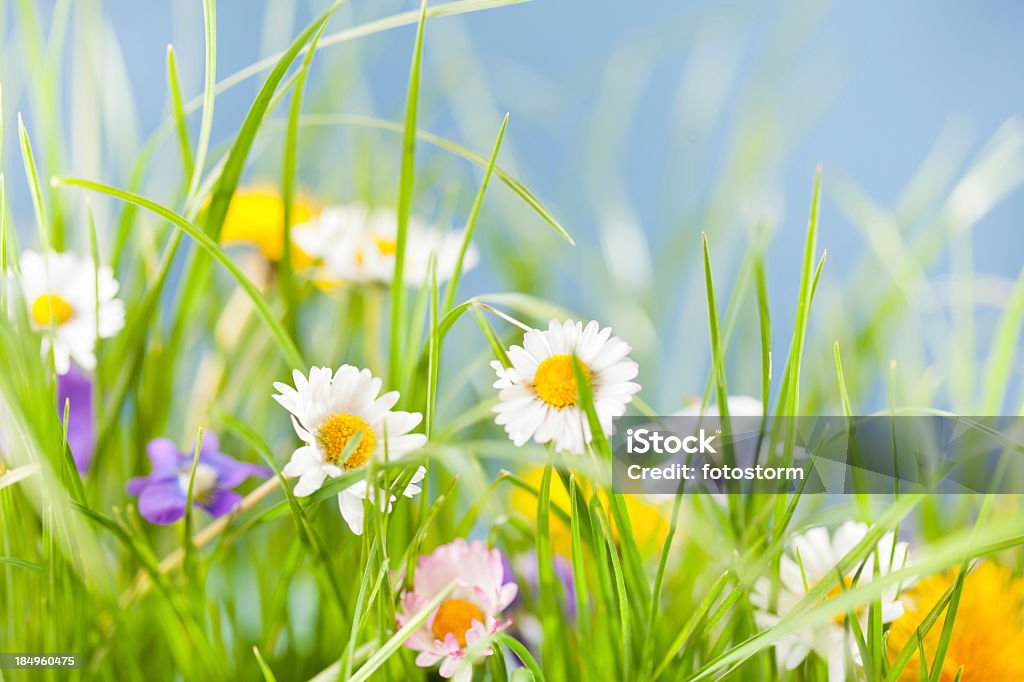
column 739, row 406
column 815, row 557
column 358, row 245
column 538, row 392
column 328, row 409
column 61, row 295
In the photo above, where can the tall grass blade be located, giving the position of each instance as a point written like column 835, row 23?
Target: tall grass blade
column 206, row 122
column 474, row 212
column 405, row 196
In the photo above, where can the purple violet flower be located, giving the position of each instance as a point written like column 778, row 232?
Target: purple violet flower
column 75, row 388
column 163, row 494
column 525, row 626
column 526, row 569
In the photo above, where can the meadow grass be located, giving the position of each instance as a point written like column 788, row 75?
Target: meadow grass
column 280, row 589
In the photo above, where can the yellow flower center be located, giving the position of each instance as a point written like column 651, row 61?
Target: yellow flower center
column 50, row 308
column 837, row 590
column 335, row 433
column 386, row 246
column 555, row 380
column 456, row 617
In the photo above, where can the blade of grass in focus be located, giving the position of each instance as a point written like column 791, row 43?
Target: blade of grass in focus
column 180, row 124
column 474, row 212
column 206, row 123
column 405, row 197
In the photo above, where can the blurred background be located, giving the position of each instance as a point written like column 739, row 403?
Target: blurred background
column 639, row 125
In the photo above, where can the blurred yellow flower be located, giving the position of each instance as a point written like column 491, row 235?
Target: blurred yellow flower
column 255, row 217
column 649, row 522
column 988, row 633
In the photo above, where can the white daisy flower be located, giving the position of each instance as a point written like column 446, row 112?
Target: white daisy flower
column 350, row 501
column 815, row 557
column 358, row 245
column 328, row 409
column 60, row 295
column 538, row 392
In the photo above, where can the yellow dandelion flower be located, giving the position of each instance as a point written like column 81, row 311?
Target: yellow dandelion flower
column 988, row 633
column 255, row 217
column 649, row 523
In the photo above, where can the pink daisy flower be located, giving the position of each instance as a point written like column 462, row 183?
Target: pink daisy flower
column 461, row 630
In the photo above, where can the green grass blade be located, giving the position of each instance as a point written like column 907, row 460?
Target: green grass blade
column 21, row 563
column 621, row 596
column 639, row 587
column 844, row 395
column 998, row 366
column 585, row 398
column 188, row 544
column 911, row 647
column 434, row 347
column 405, row 194
column 395, row 642
column 523, row 654
column 467, row 236
column 765, row 329
column 659, row 580
column 32, row 176
column 691, row 624
column 77, row 489
column 717, row 351
column 12, row 476
column 358, row 613
column 947, row 627
column 553, row 647
column 791, row 393
column 4, row 255
column 579, row 575
column 206, row 122
column 289, row 165
column 497, row 347
column 268, row 674
column 180, row 124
